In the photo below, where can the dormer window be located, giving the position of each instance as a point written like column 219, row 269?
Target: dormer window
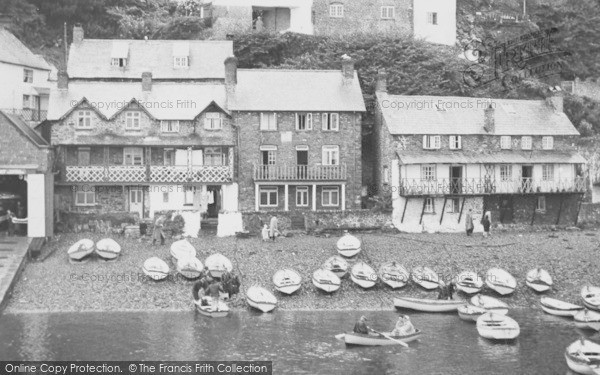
column 180, row 62
column 120, row 62
column 181, row 54
column 169, row 126
column 213, row 121
column 132, row 121
column 119, row 54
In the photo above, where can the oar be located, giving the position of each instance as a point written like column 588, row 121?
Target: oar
column 389, row 338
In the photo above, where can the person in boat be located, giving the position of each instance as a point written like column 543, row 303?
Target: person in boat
column 403, row 327
column 361, row 326
column 198, row 285
column 215, row 289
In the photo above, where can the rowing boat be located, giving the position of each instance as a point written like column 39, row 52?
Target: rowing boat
column 218, row 310
column 427, row 305
column 591, row 297
column 363, row 275
column 469, row 282
column 348, row 245
column 583, row 357
column 81, row 250
column 190, row 267
column 393, row 275
column 326, row 280
column 497, row 327
column 470, row 312
column 500, row 281
column 287, row 281
column 337, row 265
column 108, row 248
column 539, row 280
column 155, row 268
column 587, row 319
column 181, row 249
column 218, row 264
column 557, row 307
column 260, row 298
column 352, row 338
column 425, row 277
column 490, row 304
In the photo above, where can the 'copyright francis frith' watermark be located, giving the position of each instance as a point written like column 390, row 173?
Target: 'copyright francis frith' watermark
column 134, row 104
column 117, row 278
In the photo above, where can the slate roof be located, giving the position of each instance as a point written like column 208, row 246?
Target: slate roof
column 463, row 115
column 501, row 157
column 295, row 90
column 91, row 58
column 24, row 129
column 12, row 51
column 170, row 140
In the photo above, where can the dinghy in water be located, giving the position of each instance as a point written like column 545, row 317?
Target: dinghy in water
column 560, row 308
column 108, row 248
column 500, row 281
column 427, row 305
column 468, row 282
column 348, row 245
column 490, row 304
column 326, row 280
column 80, row 251
column 261, row 299
column 352, row 338
column 497, row 327
column 287, row 281
column 394, row 275
column 218, row 264
column 218, row 309
column 539, row 280
column 363, row 275
column 190, row 267
column 155, row 268
column 337, row 265
column 425, row 277
column 591, row 297
column 587, row 319
column 583, row 357
column 181, row 249
column 470, row 313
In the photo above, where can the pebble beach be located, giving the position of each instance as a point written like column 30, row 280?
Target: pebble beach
column 54, row 284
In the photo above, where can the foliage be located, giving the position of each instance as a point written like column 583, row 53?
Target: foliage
column 185, row 27
column 175, row 225
column 580, row 109
column 585, row 128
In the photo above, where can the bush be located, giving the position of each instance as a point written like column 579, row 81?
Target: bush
column 585, row 128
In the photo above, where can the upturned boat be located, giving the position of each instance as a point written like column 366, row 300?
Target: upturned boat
column 326, row 280
column 217, row 264
column 557, row 307
column 470, row 312
column 587, row 319
column 583, row 357
column 155, row 268
column 190, row 267
column 107, row 248
column 497, row 327
column 80, row 251
column 337, row 265
column 181, row 249
column 260, row 298
column 591, row 297
column 490, row 304
column 348, row 245
column 287, row 281
column 425, row 277
column 352, row 338
column 427, row 305
column 539, row 280
column 468, row 282
column 212, row 309
column 393, row 275
column 500, row 281
column 363, row 275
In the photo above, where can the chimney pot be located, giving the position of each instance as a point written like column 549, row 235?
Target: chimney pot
column 489, row 122
column 381, row 85
column 348, row 69
column 147, row 81
column 231, row 72
column 78, row 33
column 63, row 80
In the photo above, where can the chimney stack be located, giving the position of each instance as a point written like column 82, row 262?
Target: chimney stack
column 489, row 121
column 63, row 80
column 381, row 85
column 347, row 68
column 147, row 81
column 77, row 33
column 555, row 100
column 231, row 72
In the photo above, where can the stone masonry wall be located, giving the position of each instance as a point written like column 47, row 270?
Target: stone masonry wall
column 17, row 149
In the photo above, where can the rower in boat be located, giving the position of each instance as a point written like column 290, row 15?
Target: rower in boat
column 361, row 326
column 446, row 291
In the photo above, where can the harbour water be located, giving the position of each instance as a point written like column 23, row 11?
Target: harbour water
column 298, row 342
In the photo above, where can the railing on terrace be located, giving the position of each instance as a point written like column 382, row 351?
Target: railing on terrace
column 27, row 114
column 487, row 186
column 295, row 172
column 144, row 173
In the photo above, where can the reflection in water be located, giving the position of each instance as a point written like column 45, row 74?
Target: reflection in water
column 34, row 337
column 504, row 349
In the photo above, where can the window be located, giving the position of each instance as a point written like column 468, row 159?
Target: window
column 28, row 75
column 432, row 18
column 505, row 172
column 214, row 156
column 304, row 121
column 548, row 143
column 387, row 12
column 169, row 126
column 180, row 62
column 541, row 204
column 118, row 61
column 169, row 156
column 269, row 154
column 213, row 121
column 547, row 172
column 386, row 174
column 505, row 142
column 454, row 205
column 85, row 198
column 330, row 121
column 26, row 101
column 330, row 196
column 336, row 10
column 132, row 121
column 188, row 195
column 331, row 155
column 302, row 196
column 83, row 156
column 165, row 197
column 428, row 172
column 429, row 206
column 268, row 196
column 455, row 142
column 133, row 156
column 525, row 143
column 431, row 142
column 84, row 119
column 268, row 121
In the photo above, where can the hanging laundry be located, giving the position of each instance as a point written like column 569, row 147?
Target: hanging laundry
column 211, row 197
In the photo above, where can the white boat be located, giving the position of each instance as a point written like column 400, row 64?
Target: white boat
column 260, row 298
column 468, row 282
column 427, row 305
column 212, row 309
column 500, row 281
column 352, row 338
column 557, row 307
column 337, row 265
column 591, row 297
column 217, row 264
column 287, row 281
column 583, row 357
column 155, row 268
column 497, row 327
column 539, row 280
column 190, row 267
column 107, row 248
column 181, row 249
column 425, row 277
column 491, row 304
column 80, row 250
column 394, row 275
column 363, row 275
column 587, row 319
column 348, row 245
column 470, row 312
column 326, row 280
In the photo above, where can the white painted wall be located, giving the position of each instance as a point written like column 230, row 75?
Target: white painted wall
column 176, row 199
column 442, row 33
column 36, row 205
column 230, row 196
column 13, row 88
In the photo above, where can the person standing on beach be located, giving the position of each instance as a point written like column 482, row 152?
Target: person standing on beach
column 487, row 223
column 11, row 225
column 273, row 231
column 157, row 232
column 469, row 222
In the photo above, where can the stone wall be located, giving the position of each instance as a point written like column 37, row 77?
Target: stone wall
column 589, row 216
column 110, row 198
column 17, row 149
column 75, row 221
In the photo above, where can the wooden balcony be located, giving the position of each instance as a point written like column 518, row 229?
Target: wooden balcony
column 416, row 187
column 294, row 172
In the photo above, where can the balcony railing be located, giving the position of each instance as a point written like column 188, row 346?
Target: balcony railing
column 294, row 172
column 152, row 173
column 487, row 186
column 27, row 114
column 172, row 173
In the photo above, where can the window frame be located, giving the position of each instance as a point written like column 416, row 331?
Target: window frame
column 181, row 62
column 526, row 142
column 118, row 62
column 86, row 195
column 506, row 172
column 548, row 142
column 27, row 75
column 429, row 202
column 212, row 118
column 541, row 204
column 503, row 142
column 336, row 10
column 547, row 172
column 432, row 18
column 386, row 174
column 385, row 11
column 427, row 142
column 211, row 154
column 188, row 195
column 454, row 206
column 136, row 119
column 302, row 192
column 424, row 174
column 86, row 116
column 330, row 190
column 133, row 152
column 327, row 121
column 327, row 150
column 269, row 190
column 308, row 121
column 270, row 126
column 165, row 124
column 455, row 142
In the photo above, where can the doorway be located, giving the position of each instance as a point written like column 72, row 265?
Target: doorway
column 13, row 198
column 456, row 175
column 527, row 178
column 136, row 200
column 302, row 163
column 506, row 209
column 214, row 201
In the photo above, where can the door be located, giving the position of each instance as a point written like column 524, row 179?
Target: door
column 302, row 163
column 527, row 178
column 506, row 210
column 456, row 179
column 214, row 201
column 136, row 200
